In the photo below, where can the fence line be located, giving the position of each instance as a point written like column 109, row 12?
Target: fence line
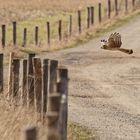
column 113, row 7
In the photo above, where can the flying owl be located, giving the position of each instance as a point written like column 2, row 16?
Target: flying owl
column 114, row 43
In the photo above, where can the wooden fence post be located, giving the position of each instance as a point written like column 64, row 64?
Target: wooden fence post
column 15, row 77
column 79, row 21
column 63, row 113
column 116, row 7
column 88, row 17
column 109, row 9
column 24, row 37
column 45, row 84
column 1, row 73
column 60, row 30
column 92, row 15
column 100, row 13
column 36, row 35
column 126, row 6
column 14, row 33
column 10, row 73
column 37, row 84
column 30, row 81
column 3, row 38
column 30, row 134
column 48, row 33
column 70, row 25
column 24, row 82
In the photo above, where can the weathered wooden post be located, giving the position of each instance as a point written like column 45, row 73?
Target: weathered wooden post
column 63, row 113
column 10, row 73
column 100, row 12
column 1, row 72
column 15, row 77
column 92, row 15
column 24, row 83
column 88, row 17
column 70, row 25
column 45, row 84
column 116, row 7
column 37, row 83
column 36, row 35
column 14, row 33
column 48, row 33
column 3, row 37
column 30, row 134
column 79, row 21
column 60, row 30
column 126, row 6
column 109, row 9
column 30, row 81
column 24, row 37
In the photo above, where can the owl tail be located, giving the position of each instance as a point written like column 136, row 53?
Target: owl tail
column 128, row 51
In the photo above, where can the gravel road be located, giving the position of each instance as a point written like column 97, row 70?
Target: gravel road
column 104, row 87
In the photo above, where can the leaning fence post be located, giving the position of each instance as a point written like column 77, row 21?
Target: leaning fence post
column 48, row 33
column 10, row 73
column 14, row 33
column 1, row 73
column 116, row 7
column 60, row 30
column 30, row 81
column 92, row 15
column 36, row 35
column 100, row 12
column 79, row 21
column 15, row 77
column 30, row 134
column 37, row 83
column 24, row 82
column 88, row 17
column 63, row 113
column 24, row 37
column 109, row 9
column 3, row 38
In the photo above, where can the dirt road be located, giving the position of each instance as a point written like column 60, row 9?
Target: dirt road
column 104, row 92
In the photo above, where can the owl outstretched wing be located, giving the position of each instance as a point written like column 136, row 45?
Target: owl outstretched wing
column 114, row 40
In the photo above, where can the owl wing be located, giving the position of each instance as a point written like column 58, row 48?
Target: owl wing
column 114, row 40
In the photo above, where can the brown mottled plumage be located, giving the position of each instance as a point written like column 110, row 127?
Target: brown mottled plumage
column 114, row 43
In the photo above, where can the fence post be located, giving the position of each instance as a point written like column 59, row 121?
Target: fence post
column 109, row 9
column 14, row 33
column 63, row 113
column 24, row 83
column 15, row 77
column 60, row 30
column 133, row 4
column 88, row 17
column 126, row 6
column 48, row 33
column 36, row 35
column 37, row 83
column 116, row 7
column 3, row 38
column 79, row 21
column 24, row 37
column 1, row 73
column 100, row 13
column 30, row 81
column 10, row 73
column 92, row 15
column 45, row 84
column 30, row 134
column 70, row 25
